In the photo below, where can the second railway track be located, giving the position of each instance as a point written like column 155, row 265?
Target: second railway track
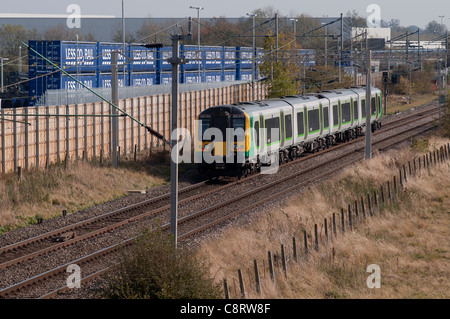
column 189, row 230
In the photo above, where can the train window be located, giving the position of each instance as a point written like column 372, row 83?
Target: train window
column 379, row 103
column 239, row 123
column 268, row 126
column 355, row 110
column 288, row 126
column 300, row 124
column 363, row 109
column 257, row 133
column 346, row 113
column 335, row 115
column 205, row 125
column 374, row 106
column 221, row 124
column 276, row 124
column 326, row 122
column 272, row 124
column 313, row 121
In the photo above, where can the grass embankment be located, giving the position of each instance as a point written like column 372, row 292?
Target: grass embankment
column 400, row 103
column 46, row 192
column 408, row 239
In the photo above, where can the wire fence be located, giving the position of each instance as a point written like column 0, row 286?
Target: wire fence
column 250, row 283
column 81, row 96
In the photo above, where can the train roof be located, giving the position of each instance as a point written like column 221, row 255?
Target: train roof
column 285, row 101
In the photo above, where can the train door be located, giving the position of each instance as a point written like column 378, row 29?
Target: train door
column 321, row 118
column 326, row 118
column 336, row 121
column 262, row 133
column 301, row 125
column 352, row 111
column 282, row 129
column 355, row 112
column 305, row 121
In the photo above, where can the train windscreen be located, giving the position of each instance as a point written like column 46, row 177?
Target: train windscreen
column 221, row 123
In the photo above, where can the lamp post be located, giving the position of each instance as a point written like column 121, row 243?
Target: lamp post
column 326, row 38
column 198, row 39
column 442, row 25
column 294, row 22
column 253, row 56
column 2, row 59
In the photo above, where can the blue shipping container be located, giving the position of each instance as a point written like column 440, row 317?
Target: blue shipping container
column 56, row 81
column 191, row 53
column 105, row 57
column 142, row 59
column 65, row 55
column 105, row 80
column 142, row 79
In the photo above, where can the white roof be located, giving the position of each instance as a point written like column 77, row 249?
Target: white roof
column 36, row 15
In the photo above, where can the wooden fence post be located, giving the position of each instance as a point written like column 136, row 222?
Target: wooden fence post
column 272, row 273
column 305, row 237
column 334, row 225
column 258, row 284
column 369, row 206
column 241, row 284
column 389, row 191
column 283, row 258
column 294, row 248
column 225, row 288
column 363, row 208
column 350, row 222
column 316, row 237
column 375, row 199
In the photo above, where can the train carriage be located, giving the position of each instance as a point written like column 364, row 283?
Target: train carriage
column 236, row 140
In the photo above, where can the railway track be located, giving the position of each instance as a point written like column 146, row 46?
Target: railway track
column 96, row 226
column 190, row 224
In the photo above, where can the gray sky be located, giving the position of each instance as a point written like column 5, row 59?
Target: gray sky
column 411, row 12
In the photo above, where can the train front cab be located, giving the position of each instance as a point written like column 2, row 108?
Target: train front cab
column 216, row 127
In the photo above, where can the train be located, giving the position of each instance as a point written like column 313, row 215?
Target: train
column 239, row 139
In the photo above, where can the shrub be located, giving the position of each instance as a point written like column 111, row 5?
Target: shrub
column 155, row 269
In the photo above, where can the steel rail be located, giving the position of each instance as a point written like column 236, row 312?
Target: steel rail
column 103, row 217
column 114, row 248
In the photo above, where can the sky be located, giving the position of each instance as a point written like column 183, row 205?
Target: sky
column 412, row 12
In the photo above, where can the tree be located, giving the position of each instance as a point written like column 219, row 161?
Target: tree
column 353, row 19
column 281, row 69
column 435, row 27
column 221, row 31
column 11, row 36
column 62, row 33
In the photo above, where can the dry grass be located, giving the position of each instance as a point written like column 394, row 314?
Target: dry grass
column 399, row 103
column 45, row 193
column 408, row 240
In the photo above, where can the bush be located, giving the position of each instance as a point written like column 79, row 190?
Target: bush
column 154, row 269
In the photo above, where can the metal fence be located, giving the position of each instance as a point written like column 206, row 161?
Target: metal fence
column 81, row 96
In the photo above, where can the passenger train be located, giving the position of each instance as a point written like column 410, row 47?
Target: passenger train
column 280, row 129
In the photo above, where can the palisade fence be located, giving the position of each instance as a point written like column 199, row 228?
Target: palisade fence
column 29, row 137
column 250, row 282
